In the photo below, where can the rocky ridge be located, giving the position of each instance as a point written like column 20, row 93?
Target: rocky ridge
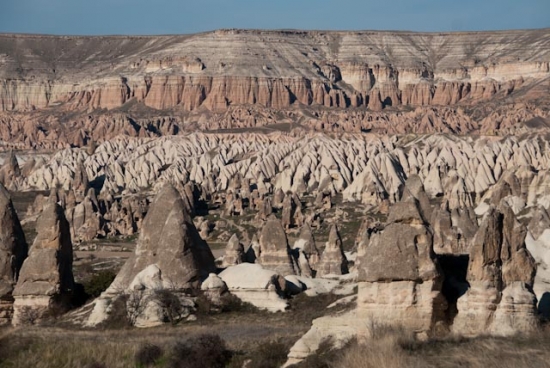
column 235, row 79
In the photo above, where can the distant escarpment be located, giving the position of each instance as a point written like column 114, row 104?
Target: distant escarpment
column 234, row 78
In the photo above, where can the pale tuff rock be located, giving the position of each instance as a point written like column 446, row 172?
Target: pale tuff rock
column 500, row 274
column 339, row 328
column 149, row 304
column 13, row 251
column 170, row 247
column 256, row 285
column 399, row 278
column 332, row 261
column 265, row 209
column 214, row 289
column 274, row 249
column 414, row 188
column 46, row 277
column 364, row 168
column 234, row 252
column 164, row 72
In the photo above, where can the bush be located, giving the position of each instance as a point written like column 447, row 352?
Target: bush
column 98, row 283
column 203, row 351
column 271, row 354
column 231, row 303
column 171, row 304
column 228, row 303
column 147, row 355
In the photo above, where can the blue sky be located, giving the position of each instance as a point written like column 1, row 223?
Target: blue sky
column 97, row 17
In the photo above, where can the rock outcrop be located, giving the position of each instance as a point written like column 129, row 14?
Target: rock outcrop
column 45, row 282
column 274, row 250
column 333, row 260
column 234, row 252
column 305, row 250
column 169, row 255
column 13, row 251
column 235, row 89
column 165, row 76
column 400, row 282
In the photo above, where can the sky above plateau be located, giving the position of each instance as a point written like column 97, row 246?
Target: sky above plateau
column 106, row 17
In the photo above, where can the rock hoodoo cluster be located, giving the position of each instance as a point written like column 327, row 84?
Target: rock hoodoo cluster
column 500, row 297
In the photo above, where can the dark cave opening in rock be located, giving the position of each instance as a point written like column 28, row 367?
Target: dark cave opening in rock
column 454, row 268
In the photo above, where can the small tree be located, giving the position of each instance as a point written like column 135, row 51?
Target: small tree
column 29, row 315
column 171, row 304
column 136, row 304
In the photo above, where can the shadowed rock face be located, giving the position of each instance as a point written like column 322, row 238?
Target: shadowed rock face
column 13, row 247
column 46, row 277
column 170, row 240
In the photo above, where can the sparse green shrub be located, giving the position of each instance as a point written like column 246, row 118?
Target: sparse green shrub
column 271, row 354
column 231, row 303
column 98, row 283
column 171, row 304
column 203, row 351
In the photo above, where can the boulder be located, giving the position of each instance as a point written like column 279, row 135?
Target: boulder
column 256, row 285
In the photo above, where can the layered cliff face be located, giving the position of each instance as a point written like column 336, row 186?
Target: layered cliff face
column 271, row 68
